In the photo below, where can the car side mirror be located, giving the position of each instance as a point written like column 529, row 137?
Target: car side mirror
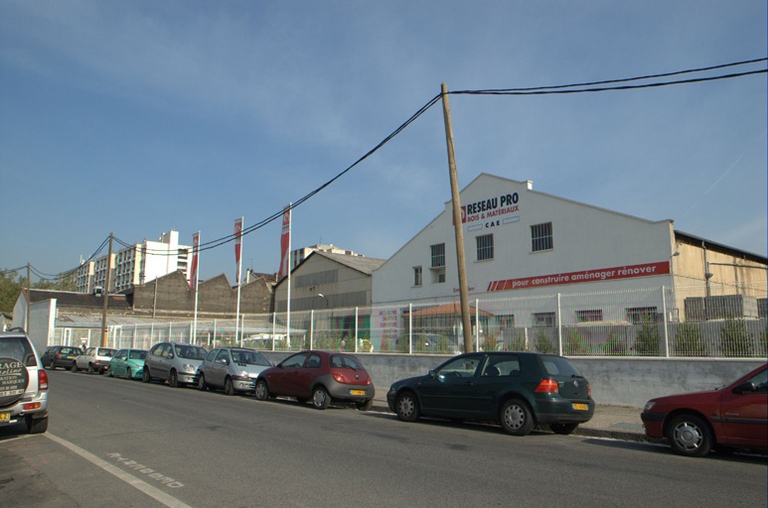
column 747, row 387
column 171, row 356
column 432, row 373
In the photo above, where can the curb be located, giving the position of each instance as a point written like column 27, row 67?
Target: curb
column 619, row 435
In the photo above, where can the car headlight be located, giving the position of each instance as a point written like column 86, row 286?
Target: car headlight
column 189, row 368
column 649, row 405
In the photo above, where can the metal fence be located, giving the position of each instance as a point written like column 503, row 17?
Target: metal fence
column 694, row 321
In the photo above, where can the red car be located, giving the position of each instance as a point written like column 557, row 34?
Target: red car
column 735, row 416
column 320, row 376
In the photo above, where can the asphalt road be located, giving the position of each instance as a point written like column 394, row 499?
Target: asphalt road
column 113, row 442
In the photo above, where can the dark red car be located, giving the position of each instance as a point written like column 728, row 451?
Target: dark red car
column 734, row 416
column 319, row 376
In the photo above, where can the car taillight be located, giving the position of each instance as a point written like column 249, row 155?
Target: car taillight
column 339, row 378
column 589, row 390
column 58, row 355
column 42, row 380
column 547, row 386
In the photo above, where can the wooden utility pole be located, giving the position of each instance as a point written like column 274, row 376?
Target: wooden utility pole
column 457, row 224
column 104, row 329
column 29, row 298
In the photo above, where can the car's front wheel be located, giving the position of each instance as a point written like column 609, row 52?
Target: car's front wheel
column 407, row 407
column 515, row 418
column 173, row 379
column 689, row 435
column 201, row 384
column 128, row 373
column 320, row 398
column 145, row 377
column 229, row 386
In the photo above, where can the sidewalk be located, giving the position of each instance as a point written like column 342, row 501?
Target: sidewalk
column 614, row 422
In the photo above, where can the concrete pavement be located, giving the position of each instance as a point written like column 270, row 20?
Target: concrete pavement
column 614, row 422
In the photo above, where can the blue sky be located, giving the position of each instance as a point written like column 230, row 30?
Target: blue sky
column 140, row 117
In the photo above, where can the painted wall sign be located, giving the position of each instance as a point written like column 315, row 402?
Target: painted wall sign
column 491, row 212
column 597, row 275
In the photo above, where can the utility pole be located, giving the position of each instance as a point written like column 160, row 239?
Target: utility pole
column 457, row 225
column 29, row 297
column 104, row 329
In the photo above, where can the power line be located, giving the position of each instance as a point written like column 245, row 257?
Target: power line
column 573, row 88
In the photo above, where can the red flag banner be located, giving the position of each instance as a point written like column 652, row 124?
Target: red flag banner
column 193, row 268
column 285, row 242
column 238, row 239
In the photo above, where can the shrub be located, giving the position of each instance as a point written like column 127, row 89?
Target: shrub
column 574, row 344
column 615, row 345
column 735, row 340
column 648, row 339
column 689, row 341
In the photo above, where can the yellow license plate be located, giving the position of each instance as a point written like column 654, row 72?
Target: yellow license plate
column 5, row 417
column 580, row 407
column 357, row 392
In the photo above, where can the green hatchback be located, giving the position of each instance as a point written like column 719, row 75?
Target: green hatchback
column 127, row 363
column 517, row 390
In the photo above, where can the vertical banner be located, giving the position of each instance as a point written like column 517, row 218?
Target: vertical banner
column 193, row 269
column 285, row 244
column 238, row 239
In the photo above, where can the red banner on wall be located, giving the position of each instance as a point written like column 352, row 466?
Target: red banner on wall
column 597, row 275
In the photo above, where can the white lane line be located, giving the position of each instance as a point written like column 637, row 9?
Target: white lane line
column 128, row 478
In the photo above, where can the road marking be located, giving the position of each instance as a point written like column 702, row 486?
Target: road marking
column 141, row 485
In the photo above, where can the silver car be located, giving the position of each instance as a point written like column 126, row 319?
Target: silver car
column 174, row 362
column 23, row 383
column 234, row 370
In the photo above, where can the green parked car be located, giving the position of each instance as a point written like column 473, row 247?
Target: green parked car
column 127, row 363
column 516, row 390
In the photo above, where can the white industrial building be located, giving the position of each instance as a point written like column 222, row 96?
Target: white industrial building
column 535, row 248
column 137, row 264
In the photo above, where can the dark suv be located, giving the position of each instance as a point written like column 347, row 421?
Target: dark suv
column 23, row 383
column 517, row 390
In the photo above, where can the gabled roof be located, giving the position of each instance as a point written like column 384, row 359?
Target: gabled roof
column 72, row 299
column 360, row 263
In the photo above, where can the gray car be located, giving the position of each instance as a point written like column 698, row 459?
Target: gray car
column 23, row 383
column 234, row 370
column 174, row 362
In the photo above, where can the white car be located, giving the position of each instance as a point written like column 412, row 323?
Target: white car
column 231, row 369
column 94, row 359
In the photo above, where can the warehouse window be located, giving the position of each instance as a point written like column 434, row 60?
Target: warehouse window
column 438, row 255
column 541, row 237
column 484, row 247
column 417, row 276
column 583, row 316
column 638, row 315
column 543, row 319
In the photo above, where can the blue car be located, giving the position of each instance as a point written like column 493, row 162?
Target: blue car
column 127, row 363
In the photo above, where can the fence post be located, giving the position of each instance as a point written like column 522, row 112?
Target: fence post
column 410, row 328
column 559, row 327
column 274, row 326
column 477, row 324
column 356, row 327
column 311, row 328
column 666, row 329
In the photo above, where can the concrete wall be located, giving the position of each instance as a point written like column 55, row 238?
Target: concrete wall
column 615, row 381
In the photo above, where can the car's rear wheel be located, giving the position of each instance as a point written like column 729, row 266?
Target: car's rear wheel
column 173, row 379
column 229, row 386
column 36, row 426
column 74, row 367
column 515, row 418
column 320, row 398
column 262, row 390
column 201, row 384
column 91, row 370
column 365, row 405
column 407, row 407
column 689, row 435
column 563, row 428
column 145, row 377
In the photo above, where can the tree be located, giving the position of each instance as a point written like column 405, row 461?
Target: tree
column 10, row 289
column 688, row 340
column 648, row 338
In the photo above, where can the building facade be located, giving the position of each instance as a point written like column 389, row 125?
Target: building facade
column 140, row 263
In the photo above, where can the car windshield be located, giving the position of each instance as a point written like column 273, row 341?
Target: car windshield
column 347, row 361
column 137, row 355
column 191, row 352
column 559, row 366
column 250, row 358
column 105, row 352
